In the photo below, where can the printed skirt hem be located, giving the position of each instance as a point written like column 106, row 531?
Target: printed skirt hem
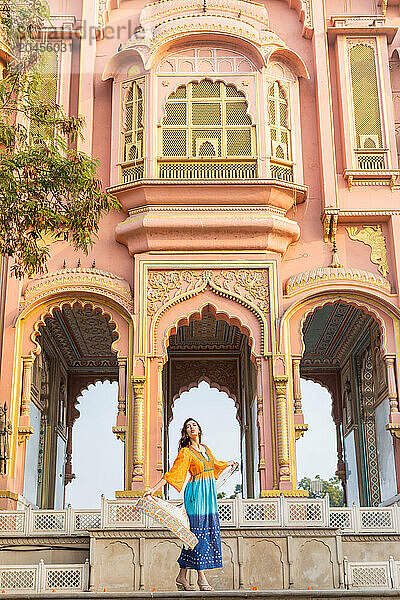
column 198, row 565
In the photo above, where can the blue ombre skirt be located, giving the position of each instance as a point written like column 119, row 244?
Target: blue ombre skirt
column 201, row 507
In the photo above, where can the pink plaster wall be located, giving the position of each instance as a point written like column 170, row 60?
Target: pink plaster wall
column 322, row 146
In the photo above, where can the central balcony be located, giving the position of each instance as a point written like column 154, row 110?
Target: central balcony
column 211, row 169
column 217, row 212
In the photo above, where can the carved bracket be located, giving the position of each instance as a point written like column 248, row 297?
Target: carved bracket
column 120, row 432
column 24, row 432
column 299, row 430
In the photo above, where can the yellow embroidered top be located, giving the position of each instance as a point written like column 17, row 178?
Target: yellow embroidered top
column 194, row 462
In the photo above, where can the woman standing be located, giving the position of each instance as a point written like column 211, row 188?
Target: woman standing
column 200, row 503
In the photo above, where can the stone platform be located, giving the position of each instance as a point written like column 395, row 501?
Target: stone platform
column 223, row 595
column 267, row 544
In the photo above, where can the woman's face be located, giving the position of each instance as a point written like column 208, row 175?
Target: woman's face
column 192, row 429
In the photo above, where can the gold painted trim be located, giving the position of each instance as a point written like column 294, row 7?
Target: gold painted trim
column 8, row 494
column 286, row 493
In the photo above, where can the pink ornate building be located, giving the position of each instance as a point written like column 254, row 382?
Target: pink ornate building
column 253, row 149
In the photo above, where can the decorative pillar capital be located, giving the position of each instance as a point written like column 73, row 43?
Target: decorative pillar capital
column 280, row 384
column 138, row 383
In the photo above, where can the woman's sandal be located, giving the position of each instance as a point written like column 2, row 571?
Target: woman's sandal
column 184, row 587
column 205, row 587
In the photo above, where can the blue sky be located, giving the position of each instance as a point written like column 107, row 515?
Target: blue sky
column 98, row 455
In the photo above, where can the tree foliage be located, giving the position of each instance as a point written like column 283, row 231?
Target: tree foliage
column 332, row 487
column 47, row 187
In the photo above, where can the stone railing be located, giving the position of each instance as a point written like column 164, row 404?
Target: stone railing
column 238, row 512
column 377, row 575
column 53, row 522
column 44, row 578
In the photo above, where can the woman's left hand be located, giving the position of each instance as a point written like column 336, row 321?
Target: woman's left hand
column 232, row 463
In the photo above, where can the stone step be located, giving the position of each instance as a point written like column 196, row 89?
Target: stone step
column 216, row 595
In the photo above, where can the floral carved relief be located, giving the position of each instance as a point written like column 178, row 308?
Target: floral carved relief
column 166, row 286
column 372, row 236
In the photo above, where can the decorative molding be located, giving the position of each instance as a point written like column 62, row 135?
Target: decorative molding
column 43, row 541
column 384, row 177
column 372, row 236
column 297, row 191
column 329, row 274
column 361, row 213
column 205, row 208
column 299, row 532
column 371, row 537
column 251, row 285
column 79, row 280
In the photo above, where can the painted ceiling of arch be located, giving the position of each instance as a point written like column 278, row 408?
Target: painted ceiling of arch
column 83, row 336
column 207, row 333
column 330, row 331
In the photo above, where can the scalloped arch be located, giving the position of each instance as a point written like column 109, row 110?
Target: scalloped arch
column 208, row 77
column 312, row 377
column 213, row 385
column 354, row 303
column 197, row 315
column 85, row 386
column 71, row 302
column 309, row 305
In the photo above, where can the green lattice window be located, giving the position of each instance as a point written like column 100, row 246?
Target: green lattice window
column 47, row 89
column 207, row 120
column 133, row 131
column 278, row 112
column 367, row 110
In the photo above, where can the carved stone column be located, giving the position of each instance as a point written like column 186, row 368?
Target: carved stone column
column 120, row 429
column 138, row 426
column 69, row 475
column 282, row 431
column 341, row 466
column 159, row 415
column 260, row 417
column 24, row 428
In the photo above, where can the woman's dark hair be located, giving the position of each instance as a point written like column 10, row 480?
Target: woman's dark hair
column 185, row 439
